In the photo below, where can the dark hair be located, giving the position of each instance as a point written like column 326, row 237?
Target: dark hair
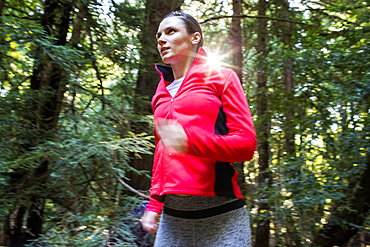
column 192, row 26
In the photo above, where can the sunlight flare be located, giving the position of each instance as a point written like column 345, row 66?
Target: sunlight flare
column 214, row 60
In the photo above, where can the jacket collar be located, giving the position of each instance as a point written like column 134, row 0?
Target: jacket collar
column 166, row 73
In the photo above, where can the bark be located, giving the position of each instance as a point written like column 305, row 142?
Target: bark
column 77, row 28
column 289, row 116
column 2, row 4
column 236, row 36
column 263, row 129
column 4, row 45
column 236, row 43
column 289, row 127
column 289, row 84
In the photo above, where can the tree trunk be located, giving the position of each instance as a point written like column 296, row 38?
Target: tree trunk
column 2, row 4
column 289, row 84
column 236, row 38
column 148, row 77
column 147, row 81
column 4, row 45
column 289, row 126
column 77, row 26
column 263, row 130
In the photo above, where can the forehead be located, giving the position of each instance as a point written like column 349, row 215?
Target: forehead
column 172, row 21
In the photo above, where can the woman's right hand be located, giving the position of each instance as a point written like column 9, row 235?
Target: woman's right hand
column 149, row 221
column 172, row 134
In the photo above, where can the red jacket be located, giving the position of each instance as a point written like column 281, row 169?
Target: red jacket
column 213, row 110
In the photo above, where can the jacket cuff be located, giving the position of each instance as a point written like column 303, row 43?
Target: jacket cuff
column 154, row 205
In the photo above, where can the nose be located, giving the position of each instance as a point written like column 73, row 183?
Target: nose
column 161, row 41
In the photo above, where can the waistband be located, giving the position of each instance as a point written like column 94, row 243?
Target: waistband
column 193, row 203
column 204, row 213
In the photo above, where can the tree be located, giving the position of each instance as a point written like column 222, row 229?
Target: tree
column 155, row 11
column 262, row 128
column 236, row 44
column 61, row 154
column 75, row 89
column 148, row 79
column 236, row 36
column 49, row 84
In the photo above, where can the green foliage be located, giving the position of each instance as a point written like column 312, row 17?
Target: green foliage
column 330, row 119
column 93, row 141
column 90, row 146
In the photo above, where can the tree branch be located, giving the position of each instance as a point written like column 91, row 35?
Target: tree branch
column 251, row 16
column 95, row 66
column 13, row 8
column 15, row 87
column 130, row 188
column 89, row 182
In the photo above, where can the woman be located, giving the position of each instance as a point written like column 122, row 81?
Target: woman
column 202, row 125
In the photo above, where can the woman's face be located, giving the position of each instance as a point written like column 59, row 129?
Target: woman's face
column 174, row 43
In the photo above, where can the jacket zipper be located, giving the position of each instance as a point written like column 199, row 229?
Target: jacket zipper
column 171, row 117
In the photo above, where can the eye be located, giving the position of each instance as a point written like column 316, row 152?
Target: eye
column 171, row 30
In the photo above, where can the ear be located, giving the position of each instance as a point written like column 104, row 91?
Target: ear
column 195, row 39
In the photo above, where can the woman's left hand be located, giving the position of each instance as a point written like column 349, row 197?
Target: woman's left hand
column 172, row 134
column 149, row 221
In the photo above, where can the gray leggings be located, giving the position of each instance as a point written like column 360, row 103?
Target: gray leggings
column 228, row 229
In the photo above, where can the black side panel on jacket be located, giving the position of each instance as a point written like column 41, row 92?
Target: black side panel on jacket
column 224, row 171
column 220, row 126
column 223, row 184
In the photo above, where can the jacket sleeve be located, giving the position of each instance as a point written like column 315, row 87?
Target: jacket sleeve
column 154, row 205
column 240, row 142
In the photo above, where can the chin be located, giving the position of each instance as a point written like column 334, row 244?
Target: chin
column 166, row 60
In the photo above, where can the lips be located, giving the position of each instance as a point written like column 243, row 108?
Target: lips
column 163, row 49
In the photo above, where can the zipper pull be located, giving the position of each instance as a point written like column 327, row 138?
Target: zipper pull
column 172, row 99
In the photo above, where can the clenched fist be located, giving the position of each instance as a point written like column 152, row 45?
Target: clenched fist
column 172, row 134
column 149, row 221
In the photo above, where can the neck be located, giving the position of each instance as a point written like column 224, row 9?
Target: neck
column 181, row 68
